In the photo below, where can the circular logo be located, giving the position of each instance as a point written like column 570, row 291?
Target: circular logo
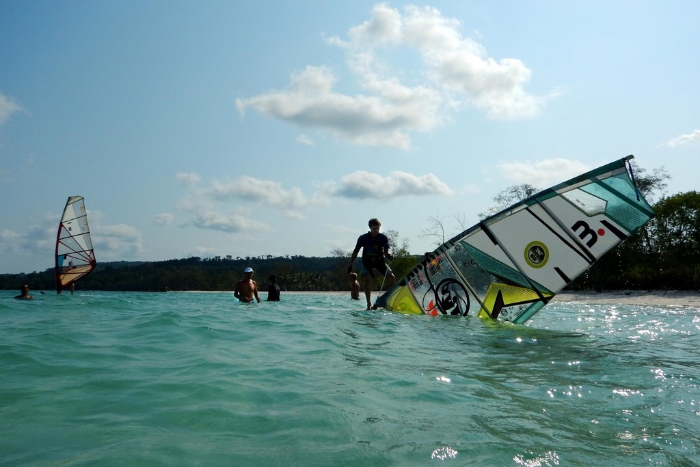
column 450, row 297
column 536, row 254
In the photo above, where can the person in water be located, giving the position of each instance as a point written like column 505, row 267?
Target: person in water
column 375, row 248
column 246, row 288
column 24, row 295
column 273, row 291
column 354, row 286
column 72, row 289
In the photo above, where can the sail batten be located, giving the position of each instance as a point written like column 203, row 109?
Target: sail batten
column 75, row 256
column 510, row 265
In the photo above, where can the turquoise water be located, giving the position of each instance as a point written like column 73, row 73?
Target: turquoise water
column 103, row 378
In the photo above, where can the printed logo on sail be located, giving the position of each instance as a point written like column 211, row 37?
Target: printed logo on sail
column 536, row 254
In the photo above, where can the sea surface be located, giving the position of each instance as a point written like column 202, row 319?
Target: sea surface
column 197, row 379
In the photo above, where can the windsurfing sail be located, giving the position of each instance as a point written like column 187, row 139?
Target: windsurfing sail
column 510, row 265
column 75, row 256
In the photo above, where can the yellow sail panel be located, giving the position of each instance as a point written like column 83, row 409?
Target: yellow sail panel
column 401, row 300
column 501, row 297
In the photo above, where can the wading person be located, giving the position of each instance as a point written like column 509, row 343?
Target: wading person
column 375, row 248
column 246, row 288
column 24, row 295
column 273, row 291
column 354, row 287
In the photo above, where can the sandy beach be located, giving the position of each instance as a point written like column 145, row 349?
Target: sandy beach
column 633, row 297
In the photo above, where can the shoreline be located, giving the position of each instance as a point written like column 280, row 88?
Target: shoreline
column 633, row 297
column 612, row 297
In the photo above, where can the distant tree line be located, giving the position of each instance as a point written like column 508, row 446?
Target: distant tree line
column 294, row 273
column 664, row 254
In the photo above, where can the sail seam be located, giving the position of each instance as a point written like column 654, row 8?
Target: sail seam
column 512, row 260
column 586, row 255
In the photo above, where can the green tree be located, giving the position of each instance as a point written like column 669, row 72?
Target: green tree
column 649, row 184
column 676, row 239
column 403, row 261
column 507, row 197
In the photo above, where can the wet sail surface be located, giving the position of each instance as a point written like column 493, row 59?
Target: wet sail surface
column 510, row 265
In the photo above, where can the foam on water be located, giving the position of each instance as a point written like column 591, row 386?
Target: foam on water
column 197, row 379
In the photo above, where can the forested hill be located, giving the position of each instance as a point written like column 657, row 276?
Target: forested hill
column 664, row 254
column 293, row 273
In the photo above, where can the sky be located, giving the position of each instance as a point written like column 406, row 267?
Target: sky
column 217, row 128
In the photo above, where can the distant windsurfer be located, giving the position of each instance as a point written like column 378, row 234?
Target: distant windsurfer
column 246, row 288
column 273, row 291
column 24, row 295
column 375, row 249
column 59, row 291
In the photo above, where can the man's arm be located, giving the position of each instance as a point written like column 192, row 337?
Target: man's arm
column 236, row 291
column 255, row 291
column 354, row 255
column 387, row 255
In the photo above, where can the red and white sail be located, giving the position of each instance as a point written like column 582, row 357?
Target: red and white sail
column 75, row 256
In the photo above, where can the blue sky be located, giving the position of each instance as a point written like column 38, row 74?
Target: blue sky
column 255, row 128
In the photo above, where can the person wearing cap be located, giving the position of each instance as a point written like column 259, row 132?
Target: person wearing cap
column 246, row 288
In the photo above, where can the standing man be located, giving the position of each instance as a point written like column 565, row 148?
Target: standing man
column 375, row 248
column 246, row 288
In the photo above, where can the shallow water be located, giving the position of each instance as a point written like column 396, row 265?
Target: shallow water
column 103, row 378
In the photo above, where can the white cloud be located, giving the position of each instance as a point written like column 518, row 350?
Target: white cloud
column 116, row 241
column 205, row 203
column 542, row 173
column 458, row 71
column 111, row 242
column 10, row 241
column 454, row 63
column 303, row 139
column 379, row 120
column 265, row 192
column 164, row 219
column 188, row 178
column 229, row 223
column 196, row 201
column 363, row 184
column 681, row 140
column 7, row 108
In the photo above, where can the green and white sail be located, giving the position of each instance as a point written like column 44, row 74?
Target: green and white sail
column 509, row 266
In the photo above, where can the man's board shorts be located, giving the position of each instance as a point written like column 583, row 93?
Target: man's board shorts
column 370, row 263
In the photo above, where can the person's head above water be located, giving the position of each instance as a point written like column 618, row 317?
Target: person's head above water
column 248, row 271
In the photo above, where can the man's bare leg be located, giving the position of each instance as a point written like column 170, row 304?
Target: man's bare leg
column 367, row 279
